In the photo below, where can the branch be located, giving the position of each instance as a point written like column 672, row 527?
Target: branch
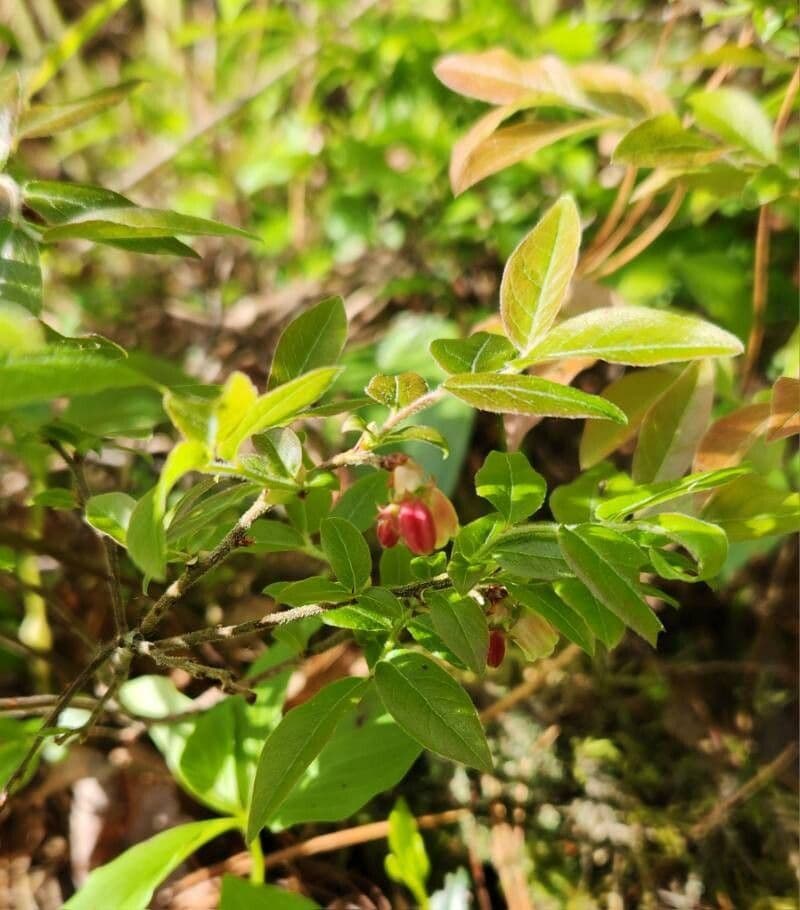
column 235, row 538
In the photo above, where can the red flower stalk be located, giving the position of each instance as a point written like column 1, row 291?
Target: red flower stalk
column 497, row 649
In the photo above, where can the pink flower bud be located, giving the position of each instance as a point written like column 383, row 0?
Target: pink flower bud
column 387, row 527
column 417, row 527
column 497, row 649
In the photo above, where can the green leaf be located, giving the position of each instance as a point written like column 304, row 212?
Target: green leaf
column 188, row 455
column 146, row 538
column 648, row 496
column 634, row 393
column 71, row 41
column 636, row 336
column 407, row 862
column 432, row 708
column 192, row 415
column 20, row 331
column 347, row 552
column 511, row 485
column 315, row 338
column 674, row 425
column 133, row 877
column 282, row 403
column 230, row 410
column 508, row 394
column 294, row 744
column 602, row 622
column 461, row 624
column 481, row 352
column 575, row 502
column 706, row 542
column 377, row 610
column 749, row 509
column 57, row 201
column 238, row 894
column 663, row 142
column 537, row 275
column 109, row 513
column 54, row 372
column 531, row 551
column 42, row 120
column 270, row 536
column 359, row 502
column 738, row 118
column 396, row 391
column 20, row 272
column 367, row 755
column 314, row 589
column 417, row 433
column 136, row 223
column 544, row 601
column 612, row 585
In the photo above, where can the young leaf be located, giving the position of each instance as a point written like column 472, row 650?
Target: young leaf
column 616, row 89
column 407, row 861
column 612, row 585
column 347, row 552
column 20, row 271
column 42, row 120
column 314, row 339
column 635, row 393
column 109, row 513
column 231, row 408
column 133, row 877
column 294, row 744
column 636, row 336
column 188, row 455
column 134, row 223
column 461, row 624
column 505, row 393
column 544, row 601
column 279, row 405
column 727, row 440
column 481, row 352
column 749, row 509
column 146, row 538
column 359, row 502
column 432, row 708
column 673, row 426
column 499, row 77
column 507, row 146
column 706, row 542
column 537, row 275
column 663, row 142
column 736, row 117
column 511, row 485
column 396, row 391
column 784, row 418
column 238, row 894
column 655, row 494
column 270, row 536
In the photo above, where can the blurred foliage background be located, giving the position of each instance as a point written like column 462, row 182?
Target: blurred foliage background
column 320, row 126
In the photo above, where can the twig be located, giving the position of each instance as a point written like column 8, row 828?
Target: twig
column 234, row 539
column 648, row 235
column 761, row 260
column 63, row 701
column 718, row 815
column 109, row 548
column 535, row 681
column 614, row 215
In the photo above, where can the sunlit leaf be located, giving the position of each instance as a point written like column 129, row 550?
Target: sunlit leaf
column 511, row 485
column 664, row 142
column 727, row 440
column 313, row 339
column 481, row 352
column 737, row 117
column 784, row 418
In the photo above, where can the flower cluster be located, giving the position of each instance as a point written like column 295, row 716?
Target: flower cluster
column 419, row 515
